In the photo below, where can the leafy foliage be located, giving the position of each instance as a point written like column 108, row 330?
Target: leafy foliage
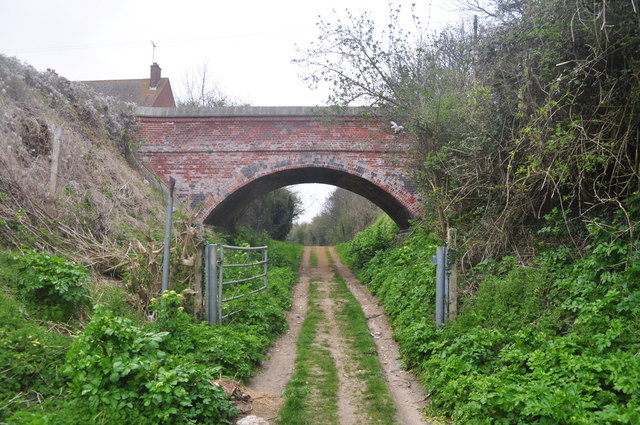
column 533, row 110
column 551, row 342
column 369, row 241
column 30, row 359
column 51, row 283
column 272, row 213
column 122, row 373
column 343, row 215
column 238, row 346
column 117, row 371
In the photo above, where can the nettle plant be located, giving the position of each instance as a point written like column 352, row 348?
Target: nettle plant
column 121, row 371
column 51, row 284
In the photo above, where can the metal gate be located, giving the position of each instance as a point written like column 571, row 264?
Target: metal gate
column 232, row 273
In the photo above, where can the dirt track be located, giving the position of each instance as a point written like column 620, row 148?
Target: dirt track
column 268, row 384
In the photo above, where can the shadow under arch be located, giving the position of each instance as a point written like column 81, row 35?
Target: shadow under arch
column 223, row 214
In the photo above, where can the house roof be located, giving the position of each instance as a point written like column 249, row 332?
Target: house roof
column 154, row 91
column 137, row 91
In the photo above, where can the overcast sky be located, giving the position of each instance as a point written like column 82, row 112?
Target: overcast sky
column 247, row 45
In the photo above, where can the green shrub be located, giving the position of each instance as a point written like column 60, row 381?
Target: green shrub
column 239, row 345
column 117, row 299
column 366, row 243
column 51, row 284
column 284, row 254
column 236, row 350
column 511, row 299
column 30, row 358
column 236, row 347
column 553, row 342
column 170, row 318
column 119, row 371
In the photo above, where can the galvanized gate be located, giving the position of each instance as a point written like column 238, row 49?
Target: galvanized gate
column 232, row 273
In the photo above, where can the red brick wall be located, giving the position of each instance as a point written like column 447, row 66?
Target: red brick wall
column 222, row 162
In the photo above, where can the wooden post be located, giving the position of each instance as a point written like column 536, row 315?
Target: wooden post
column 453, row 276
column 55, row 168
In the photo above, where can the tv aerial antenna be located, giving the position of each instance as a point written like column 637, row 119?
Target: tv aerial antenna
column 153, row 52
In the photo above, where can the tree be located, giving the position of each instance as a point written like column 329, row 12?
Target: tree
column 343, row 215
column 422, row 81
column 273, row 212
column 535, row 112
column 201, row 90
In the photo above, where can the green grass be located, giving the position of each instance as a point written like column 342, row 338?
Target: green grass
column 329, row 258
column 378, row 406
column 312, row 391
column 313, row 259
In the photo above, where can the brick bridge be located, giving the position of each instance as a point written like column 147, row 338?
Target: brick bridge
column 223, row 158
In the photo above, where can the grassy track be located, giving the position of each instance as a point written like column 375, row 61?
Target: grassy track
column 311, row 396
column 313, row 259
column 378, row 404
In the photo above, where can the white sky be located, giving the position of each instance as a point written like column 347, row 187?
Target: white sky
column 248, row 45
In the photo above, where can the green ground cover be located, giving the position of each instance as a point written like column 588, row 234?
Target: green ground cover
column 553, row 341
column 101, row 366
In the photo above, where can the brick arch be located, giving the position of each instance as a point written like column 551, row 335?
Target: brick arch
column 221, row 213
column 224, row 157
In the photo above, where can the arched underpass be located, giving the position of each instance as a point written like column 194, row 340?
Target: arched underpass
column 223, row 214
column 222, row 158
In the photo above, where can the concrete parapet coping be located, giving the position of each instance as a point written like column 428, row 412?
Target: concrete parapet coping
column 249, row 111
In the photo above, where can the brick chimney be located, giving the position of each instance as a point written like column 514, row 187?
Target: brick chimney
column 155, row 75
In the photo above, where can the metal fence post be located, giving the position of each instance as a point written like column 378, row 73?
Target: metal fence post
column 440, row 284
column 220, row 284
column 445, row 301
column 167, row 236
column 211, row 273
